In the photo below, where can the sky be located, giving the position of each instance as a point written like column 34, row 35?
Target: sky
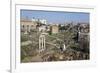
column 56, row 17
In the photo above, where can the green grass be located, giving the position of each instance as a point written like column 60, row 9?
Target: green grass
column 24, row 38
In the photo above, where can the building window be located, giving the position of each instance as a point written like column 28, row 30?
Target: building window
column 31, row 25
column 27, row 25
column 23, row 26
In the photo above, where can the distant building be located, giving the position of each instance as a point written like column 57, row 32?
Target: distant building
column 42, row 28
column 27, row 25
column 42, row 21
column 54, row 29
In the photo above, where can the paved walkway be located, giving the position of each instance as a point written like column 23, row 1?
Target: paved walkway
column 26, row 43
column 36, row 59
